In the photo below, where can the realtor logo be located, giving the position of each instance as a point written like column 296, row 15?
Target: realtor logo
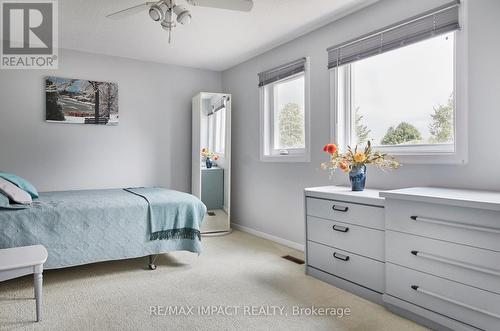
column 29, row 34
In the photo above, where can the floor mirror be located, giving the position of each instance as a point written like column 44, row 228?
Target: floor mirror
column 211, row 159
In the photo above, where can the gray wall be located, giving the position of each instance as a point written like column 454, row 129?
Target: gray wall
column 151, row 145
column 268, row 197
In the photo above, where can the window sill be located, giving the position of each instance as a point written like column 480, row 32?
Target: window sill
column 430, row 158
column 286, row 158
column 426, row 154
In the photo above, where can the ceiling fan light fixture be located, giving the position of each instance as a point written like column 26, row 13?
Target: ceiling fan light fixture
column 167, row 22
column 157, row 11
column 168, row 14
column 183, row 15
column 167, row 25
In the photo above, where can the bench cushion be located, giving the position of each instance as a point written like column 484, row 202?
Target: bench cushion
column 20, row 257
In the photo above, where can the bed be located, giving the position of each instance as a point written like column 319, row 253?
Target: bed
column 80, row 227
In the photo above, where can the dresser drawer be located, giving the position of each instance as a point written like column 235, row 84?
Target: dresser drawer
column 352, row 238
column 464, row 303
column 352, row 267
column 468, row 226
column 465, row 264
column 369, row 216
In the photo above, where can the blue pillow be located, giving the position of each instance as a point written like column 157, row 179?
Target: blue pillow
column 21, row 183
column 5, row 203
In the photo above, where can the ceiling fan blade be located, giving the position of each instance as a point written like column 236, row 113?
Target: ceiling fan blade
column 130, row 11
column 240, row 5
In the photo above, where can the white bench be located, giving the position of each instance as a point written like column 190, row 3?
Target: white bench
column 19, row 261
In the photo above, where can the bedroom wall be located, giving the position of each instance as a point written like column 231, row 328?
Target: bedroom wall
column 268, row 197
column 150, row 146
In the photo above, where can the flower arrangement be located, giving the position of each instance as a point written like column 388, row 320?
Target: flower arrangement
column 354, row 162
column 206, row 154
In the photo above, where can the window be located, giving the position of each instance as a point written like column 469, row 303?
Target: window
column 394, row 102
column 408, row 101
column 220, row 131
column 284, row 119
column 217, row 132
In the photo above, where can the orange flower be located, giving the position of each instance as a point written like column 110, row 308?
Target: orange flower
column 216, row 157
column 344, row 167
column 330, row 148
column 203, row 150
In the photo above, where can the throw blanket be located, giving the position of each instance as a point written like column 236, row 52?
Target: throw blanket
column 172, row 214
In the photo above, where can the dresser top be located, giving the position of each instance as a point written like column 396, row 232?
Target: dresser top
column 344, row 193
column 453, row 197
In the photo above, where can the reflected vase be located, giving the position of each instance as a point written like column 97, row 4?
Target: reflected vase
column 357, row 177
column 209, row 163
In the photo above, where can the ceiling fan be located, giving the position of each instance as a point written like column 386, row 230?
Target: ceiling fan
column 168, row 12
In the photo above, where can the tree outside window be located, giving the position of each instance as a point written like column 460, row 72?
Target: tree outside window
column 291, row 126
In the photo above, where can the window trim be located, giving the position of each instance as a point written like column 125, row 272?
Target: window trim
column 413, row 154
column 267, row 152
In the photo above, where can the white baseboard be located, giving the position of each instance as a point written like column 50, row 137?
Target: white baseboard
column 284, row 242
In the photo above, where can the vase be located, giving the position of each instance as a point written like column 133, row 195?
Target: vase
column 209, row 163
column 357, row 177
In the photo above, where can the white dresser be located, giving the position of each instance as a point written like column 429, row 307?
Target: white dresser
column 430, row 254
column 345, row 239
column 443, row 256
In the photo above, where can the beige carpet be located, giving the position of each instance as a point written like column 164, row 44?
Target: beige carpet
column 236, row 270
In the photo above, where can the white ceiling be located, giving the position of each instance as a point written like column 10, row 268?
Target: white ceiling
column 216, row 39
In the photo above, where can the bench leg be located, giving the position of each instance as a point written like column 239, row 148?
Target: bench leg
column 38, row 280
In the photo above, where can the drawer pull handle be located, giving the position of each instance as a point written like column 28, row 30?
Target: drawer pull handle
column 340, row 228
column 455, row 302
column 341, row 256
column 455, row 224
column 340, row 208
column 456, row 263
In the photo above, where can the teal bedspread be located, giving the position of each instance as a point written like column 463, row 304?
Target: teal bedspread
column 79, row 227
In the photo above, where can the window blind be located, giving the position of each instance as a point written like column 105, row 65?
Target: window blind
column 218, row 105
column 426, row 25
column 283, row 71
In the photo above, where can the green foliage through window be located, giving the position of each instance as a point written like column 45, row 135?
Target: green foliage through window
column 403, row 133
column 291, row 126
column 362, row 130
column 441, row 128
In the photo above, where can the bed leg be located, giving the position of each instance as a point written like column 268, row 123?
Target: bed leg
column 152, row 265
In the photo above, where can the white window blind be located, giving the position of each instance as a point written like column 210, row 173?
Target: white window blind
column 426, row 25
column 281, row 72
column 219, row 104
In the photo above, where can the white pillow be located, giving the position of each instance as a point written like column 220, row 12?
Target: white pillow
column 14, row 193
